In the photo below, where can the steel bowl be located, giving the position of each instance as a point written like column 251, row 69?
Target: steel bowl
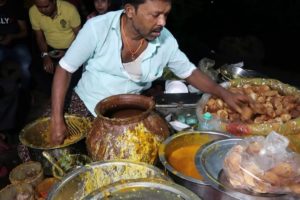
column 209, row 161
column 29, row 172
column 174, row 142
column 146, row 189
column 81, row 182
column 17, row 191
column 229, row 72
column 36, row 136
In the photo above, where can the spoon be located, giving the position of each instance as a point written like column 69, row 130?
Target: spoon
column 51, row 160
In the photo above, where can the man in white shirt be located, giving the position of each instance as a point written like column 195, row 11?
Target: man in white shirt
column 124, row 51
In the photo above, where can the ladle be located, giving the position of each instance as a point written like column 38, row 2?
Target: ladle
column 52, row 161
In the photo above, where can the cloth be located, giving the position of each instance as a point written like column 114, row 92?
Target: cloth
column 74, row 106
column 134, row 68
column 99, row 43
column 10, row 13
column 58, row 31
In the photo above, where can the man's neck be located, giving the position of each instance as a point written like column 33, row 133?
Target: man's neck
column 54, row 13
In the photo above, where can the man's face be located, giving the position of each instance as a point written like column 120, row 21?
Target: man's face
column 150, row 18
column 46, row 7
column 101, row 6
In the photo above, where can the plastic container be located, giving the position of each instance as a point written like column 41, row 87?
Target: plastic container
column 208, row 122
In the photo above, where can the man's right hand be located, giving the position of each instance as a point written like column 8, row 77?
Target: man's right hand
column 58, row 131
column 48, row 64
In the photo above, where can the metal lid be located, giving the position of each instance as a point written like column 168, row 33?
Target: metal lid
column 209, row 162
column 146, row 189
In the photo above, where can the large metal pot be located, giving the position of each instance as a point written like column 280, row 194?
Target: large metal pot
column 35, row 136
column 183, row 139
column 81, row 182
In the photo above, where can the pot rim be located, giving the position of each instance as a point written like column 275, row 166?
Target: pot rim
column 169, row 168
column 119, row 97
column 29, row 179
column 42, row 119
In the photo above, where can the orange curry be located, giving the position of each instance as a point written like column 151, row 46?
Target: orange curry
column 182, row 160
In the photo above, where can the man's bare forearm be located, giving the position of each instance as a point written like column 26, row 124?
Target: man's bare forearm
column 201, row 81
column 60, row 85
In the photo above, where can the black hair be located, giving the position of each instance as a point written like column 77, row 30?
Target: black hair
column 135, row 3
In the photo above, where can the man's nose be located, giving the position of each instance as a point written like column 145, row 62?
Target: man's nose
column 161, row 20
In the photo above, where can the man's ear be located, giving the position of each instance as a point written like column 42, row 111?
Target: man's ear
column 129, row 10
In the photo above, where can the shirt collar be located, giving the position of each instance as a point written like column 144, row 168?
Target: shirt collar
column 116, row 26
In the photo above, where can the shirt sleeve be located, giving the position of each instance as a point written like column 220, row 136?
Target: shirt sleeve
column 74, row 17
column 34, row 19
column 179, row 64
column 81, row 49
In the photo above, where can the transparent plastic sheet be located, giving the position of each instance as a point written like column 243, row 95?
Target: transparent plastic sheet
column 291, row 127
column 263, row 165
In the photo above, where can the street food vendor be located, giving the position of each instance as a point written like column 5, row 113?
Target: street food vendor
column 123, row 52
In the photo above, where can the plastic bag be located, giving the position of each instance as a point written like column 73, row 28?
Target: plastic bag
column 263, row 165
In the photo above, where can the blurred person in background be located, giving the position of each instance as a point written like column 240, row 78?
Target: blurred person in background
column 101, row 7
column 13, row 35
column 55, row 24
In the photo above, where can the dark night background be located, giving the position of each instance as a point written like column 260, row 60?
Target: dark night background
column 262, row 33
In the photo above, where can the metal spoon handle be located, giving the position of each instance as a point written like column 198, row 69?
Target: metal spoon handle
column 51, row 160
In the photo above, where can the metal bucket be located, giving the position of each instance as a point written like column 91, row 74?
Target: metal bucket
column 36, row 136
column 201, row 188
column 81, row 182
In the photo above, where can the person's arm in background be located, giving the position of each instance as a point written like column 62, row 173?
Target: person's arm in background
column 14, row 36
column 43, row 47
column 201, row 81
